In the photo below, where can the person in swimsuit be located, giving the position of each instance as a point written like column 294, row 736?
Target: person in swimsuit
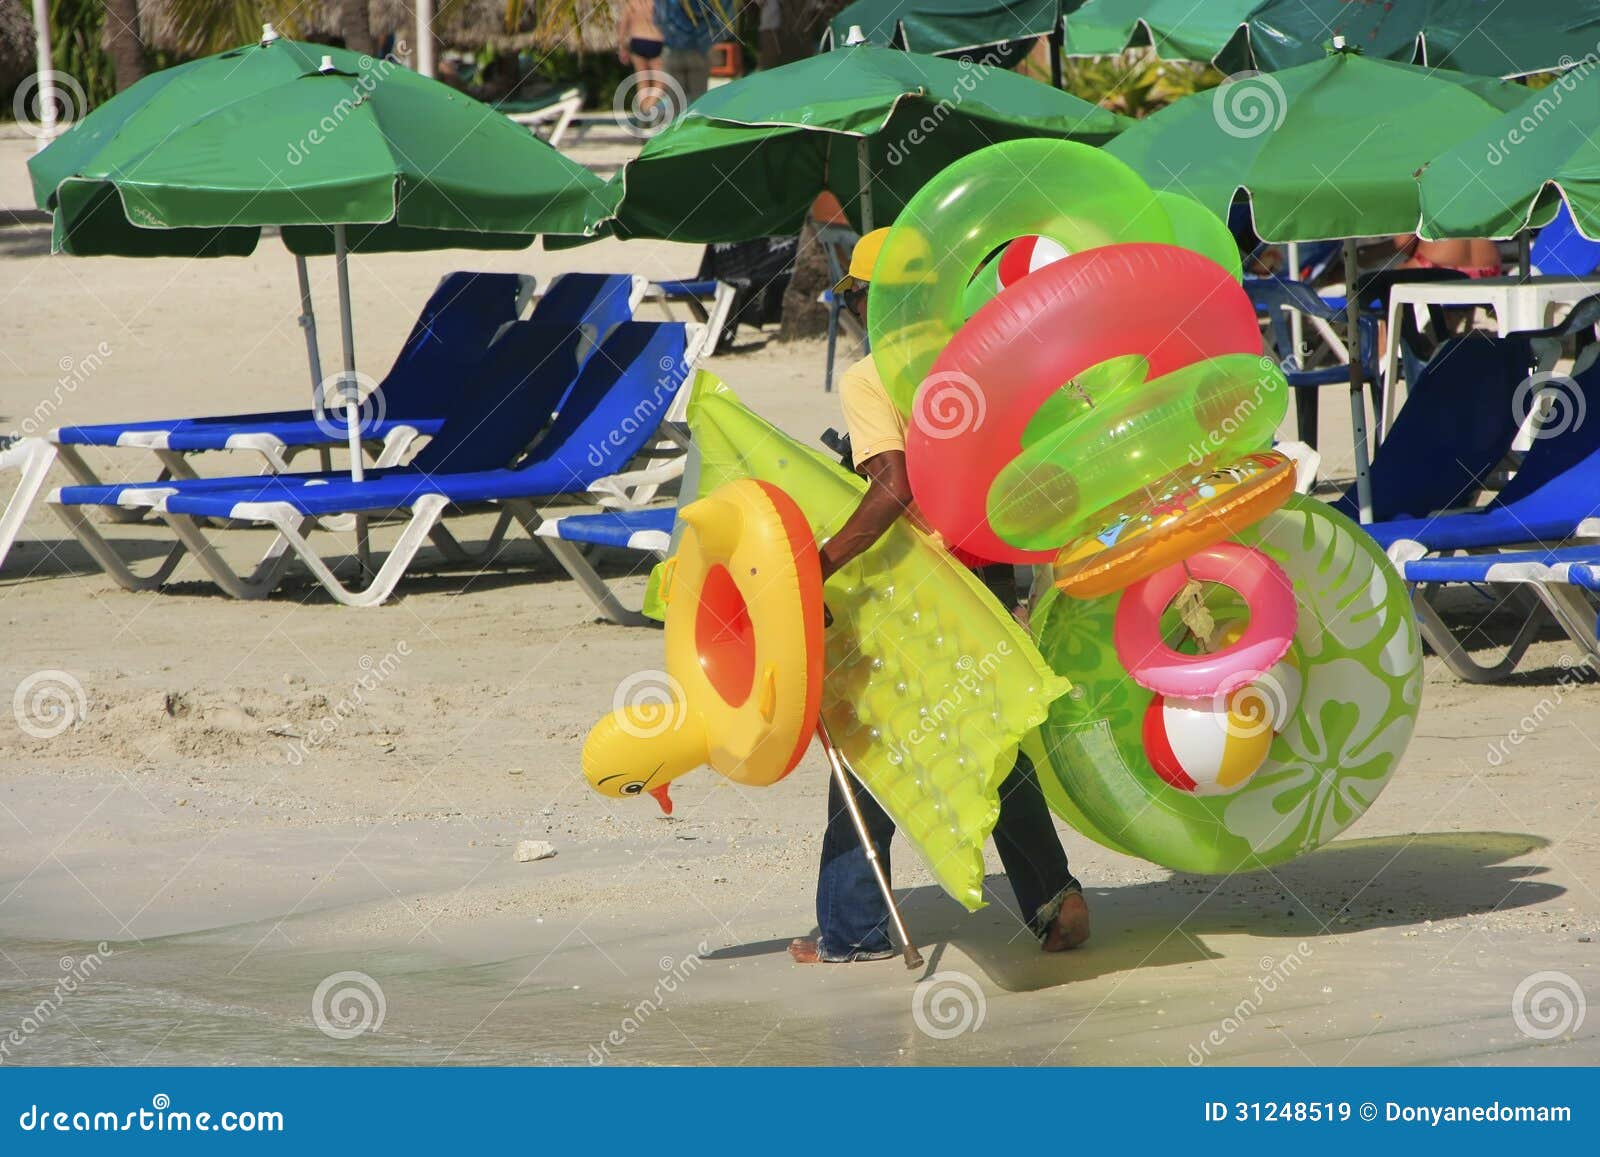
column 639, row 47
column 1476, row 257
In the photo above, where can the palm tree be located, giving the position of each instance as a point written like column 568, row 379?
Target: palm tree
column 124, row 41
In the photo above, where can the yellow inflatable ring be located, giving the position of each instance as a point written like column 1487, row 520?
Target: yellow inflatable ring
column 1189, row 516
column 743, row 679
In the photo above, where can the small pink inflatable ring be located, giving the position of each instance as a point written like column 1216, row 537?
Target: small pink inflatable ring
column 1259, row 581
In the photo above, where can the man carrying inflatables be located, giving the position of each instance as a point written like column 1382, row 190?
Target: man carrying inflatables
column 851, row 913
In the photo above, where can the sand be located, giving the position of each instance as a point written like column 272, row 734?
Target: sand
column 236, row 872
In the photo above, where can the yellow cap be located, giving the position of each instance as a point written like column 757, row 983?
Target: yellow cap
column 862, row 259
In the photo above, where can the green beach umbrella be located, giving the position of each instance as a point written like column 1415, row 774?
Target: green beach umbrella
column 1498, row 38
column 1512, row 172
column 869, row 124
column 1176, row 29
column 339, row 150
column 1321, row 150
column 946, row 27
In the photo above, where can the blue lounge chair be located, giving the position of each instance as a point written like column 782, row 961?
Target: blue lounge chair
column 605, row 416
column 1456, row 428
column 1551, row 501
column 450, row 336
column 648, row 531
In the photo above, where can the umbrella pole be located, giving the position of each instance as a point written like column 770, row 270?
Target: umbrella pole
column 836, row 761
column 308, row 324
column 864, row 173
column 1524, row 255
column 347, row 386
column 43, row 58
column 1358, row 403
column 1057, row 78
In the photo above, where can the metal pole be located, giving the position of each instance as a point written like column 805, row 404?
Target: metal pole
column 348, row 388
column 1297, row 320
column 836, row 761
column 424, row 56
column 1358, row 403
column 864, row 173
column 308, row 323
column 1524, row 254
column 1057, row 78
column 44, row 58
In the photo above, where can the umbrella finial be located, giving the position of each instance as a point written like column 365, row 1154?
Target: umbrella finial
column 855, row 35
column 326, row 65
column 1338, row 44
column 268, row 34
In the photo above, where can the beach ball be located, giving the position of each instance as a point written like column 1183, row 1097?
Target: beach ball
column 1200, row 746
column 1026, row 254
column 1212, row 746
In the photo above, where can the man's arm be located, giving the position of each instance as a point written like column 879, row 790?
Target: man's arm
column 888, row 497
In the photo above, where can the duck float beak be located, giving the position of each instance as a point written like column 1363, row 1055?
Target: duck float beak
column 663, row 798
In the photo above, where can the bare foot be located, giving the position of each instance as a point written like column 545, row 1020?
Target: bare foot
column 804, row 952
column 1071, row 927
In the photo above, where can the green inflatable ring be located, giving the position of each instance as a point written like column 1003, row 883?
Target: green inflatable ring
column 1074, row 194
column 1361, row 665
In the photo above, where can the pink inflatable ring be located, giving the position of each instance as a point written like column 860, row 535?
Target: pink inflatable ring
column 1259, row 581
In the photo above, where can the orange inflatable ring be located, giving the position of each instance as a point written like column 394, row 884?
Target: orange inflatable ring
column 743, row 681
column 1187, row 517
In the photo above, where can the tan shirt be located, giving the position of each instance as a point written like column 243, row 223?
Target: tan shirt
column 873, row 421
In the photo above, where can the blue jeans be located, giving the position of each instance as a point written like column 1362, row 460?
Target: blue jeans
column 850, row 909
